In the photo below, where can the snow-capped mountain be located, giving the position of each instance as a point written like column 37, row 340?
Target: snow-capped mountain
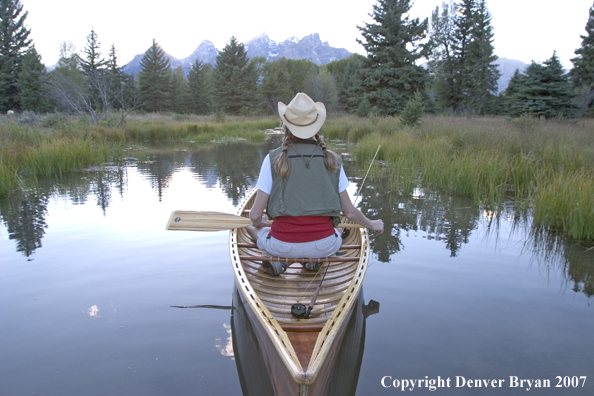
column 309, row 47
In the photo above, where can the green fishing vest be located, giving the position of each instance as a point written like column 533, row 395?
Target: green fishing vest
column 307, row 191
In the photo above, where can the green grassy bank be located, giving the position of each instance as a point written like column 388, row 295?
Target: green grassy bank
column 543, row 165
column 56, row 145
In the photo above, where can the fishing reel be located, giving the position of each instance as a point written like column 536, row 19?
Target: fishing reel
column 300, row 311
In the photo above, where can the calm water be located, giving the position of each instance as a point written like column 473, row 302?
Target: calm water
column 88, row 275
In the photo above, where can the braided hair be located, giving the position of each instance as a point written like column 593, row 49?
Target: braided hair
column 282, row 164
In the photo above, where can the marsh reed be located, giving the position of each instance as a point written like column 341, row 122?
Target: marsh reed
column 545, row 165
column 55, row 145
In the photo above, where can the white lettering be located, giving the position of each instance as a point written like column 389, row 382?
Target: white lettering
column 384, row 385
column 513, row 382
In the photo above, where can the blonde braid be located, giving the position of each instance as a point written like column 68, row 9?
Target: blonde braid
column 282, row 164
column 330, row 157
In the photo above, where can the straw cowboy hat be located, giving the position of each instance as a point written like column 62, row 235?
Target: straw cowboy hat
column 303, row 116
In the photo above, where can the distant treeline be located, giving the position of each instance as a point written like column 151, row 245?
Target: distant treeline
column 460, row 77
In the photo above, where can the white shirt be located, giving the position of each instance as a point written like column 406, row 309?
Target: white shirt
column 265, row 179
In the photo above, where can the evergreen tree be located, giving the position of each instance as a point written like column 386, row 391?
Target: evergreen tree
column 93, row 64
column 179, row 91
column 413, row 111
column 481, row 74
column 442, row 62
column 582, row 73
column 32, row 83
column 154, row 81
column 14, row 41
column 462, row 59
column 511, row 93
column 200, row 88
column 114, row 76
column 235, row 78
column 95, row 68
column 350, row 84
column 545, row 91
column 390, row 76
column 463, row 26
column 276, row 85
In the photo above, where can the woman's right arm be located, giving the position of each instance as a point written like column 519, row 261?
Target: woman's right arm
column 257, row 212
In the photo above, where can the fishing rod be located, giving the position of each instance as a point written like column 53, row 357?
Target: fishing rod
column 368, row 169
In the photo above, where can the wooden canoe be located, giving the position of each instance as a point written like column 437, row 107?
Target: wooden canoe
column 308, row 347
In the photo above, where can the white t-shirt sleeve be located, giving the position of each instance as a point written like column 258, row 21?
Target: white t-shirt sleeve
column 343, row 182
column 265, row 179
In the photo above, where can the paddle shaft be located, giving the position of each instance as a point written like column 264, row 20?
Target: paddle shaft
column 186, row 220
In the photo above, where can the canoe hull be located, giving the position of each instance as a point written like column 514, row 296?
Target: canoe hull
column 300, row 349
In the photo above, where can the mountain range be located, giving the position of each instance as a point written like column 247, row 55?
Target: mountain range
column 309, row 47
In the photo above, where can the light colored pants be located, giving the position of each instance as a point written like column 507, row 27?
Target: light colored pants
column 315, row 249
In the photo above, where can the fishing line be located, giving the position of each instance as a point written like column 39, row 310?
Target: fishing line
column 368, row 169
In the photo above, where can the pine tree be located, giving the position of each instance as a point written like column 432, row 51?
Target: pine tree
column 481, row 73
column 582, row 73
column 32, row 82
column 442, row 62
column 276, row 85
column 235, row 78
column 462, row 58
column 463, row 26
column 179, row 91
column 14, row 41
column 95, row 68
column 511, row 93
column 154, row 82
column 349, row 84
column 93, row 64
column 200, row 88
column 413, row 111
column 390, row 76
column 544, row 91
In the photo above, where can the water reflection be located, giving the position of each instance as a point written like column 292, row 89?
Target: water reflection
column 251, row 361
column 441, row 217
column 24, row 217
column 234, row 166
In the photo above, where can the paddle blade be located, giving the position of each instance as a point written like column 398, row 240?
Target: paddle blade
column 185, row 220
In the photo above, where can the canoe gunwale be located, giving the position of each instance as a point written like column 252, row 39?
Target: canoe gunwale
column 274, row 329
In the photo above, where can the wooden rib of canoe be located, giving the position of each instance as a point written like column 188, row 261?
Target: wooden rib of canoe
column 306, row 347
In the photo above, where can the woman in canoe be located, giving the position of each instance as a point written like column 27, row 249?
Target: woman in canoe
column 302, row 186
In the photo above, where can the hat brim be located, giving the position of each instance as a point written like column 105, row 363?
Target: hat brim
column 304, row 132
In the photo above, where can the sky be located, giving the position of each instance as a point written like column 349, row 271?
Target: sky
column 526, row 30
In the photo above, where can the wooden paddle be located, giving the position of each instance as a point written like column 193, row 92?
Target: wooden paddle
column 187, row 220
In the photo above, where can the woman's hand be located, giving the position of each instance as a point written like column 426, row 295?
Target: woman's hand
column 377, row 226
column 262, row 223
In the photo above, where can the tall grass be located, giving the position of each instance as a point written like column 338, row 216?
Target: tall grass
column 57, row 145
column 546, row 165
column 543, row 164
